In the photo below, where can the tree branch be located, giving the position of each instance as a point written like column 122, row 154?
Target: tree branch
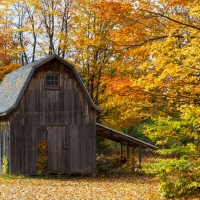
column 171, row 19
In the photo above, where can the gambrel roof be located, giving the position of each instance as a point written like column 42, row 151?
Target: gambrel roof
column 15, row 83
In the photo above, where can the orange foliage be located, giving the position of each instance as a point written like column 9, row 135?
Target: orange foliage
column 159, row 70
column 8, row 55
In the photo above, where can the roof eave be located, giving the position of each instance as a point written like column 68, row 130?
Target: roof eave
column 3, row 114
column 129, row 138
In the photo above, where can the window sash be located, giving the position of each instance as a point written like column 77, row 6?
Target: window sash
column 52, row 80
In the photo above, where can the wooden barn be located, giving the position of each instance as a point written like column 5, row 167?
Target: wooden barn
column 46, row 100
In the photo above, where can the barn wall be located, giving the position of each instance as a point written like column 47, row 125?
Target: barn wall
column 40, row 108
column 4, row 141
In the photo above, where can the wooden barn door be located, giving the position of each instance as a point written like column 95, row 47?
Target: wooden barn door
column 57, row 160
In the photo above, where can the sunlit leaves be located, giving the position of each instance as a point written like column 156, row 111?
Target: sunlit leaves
column 160, row 63
column 90, row 46
column 177, row 176
column 180, row 139
column 8, row 53
column 150, row 46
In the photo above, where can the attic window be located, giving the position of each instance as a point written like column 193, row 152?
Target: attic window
column 52, row 80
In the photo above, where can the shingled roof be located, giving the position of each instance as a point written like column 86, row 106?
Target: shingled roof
column 15, row 83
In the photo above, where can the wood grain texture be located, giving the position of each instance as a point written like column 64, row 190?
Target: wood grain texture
column 4, row 141
column 56, row 148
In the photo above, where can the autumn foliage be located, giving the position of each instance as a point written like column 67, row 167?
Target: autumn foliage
column 42, row 160
column 139, row 60
column 8, row 54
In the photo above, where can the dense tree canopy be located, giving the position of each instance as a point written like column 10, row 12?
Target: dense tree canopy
column 133, row 56
column 138, row 60
column 8, row 51
column 160, row 42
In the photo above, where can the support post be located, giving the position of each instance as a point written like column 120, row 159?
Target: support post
column 133, row 157
column 140, row 155
column 127, row 151
column 121, row 149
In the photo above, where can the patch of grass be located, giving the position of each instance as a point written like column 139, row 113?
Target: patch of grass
column 12, row 176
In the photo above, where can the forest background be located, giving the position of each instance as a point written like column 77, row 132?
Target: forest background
column 139, row 61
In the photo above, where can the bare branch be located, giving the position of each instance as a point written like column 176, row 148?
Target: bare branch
column 171, row 19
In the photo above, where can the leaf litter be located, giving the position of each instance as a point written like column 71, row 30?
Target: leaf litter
column 82, row 188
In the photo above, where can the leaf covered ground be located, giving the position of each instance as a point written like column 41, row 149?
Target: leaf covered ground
column 79, row 188
column 137, row 187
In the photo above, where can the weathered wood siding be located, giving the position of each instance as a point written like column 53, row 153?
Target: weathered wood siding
column 57, row 146
column 41, row 108
column 4, row 140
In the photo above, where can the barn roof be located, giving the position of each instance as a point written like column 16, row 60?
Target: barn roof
column 120, row 137
column 15, row 83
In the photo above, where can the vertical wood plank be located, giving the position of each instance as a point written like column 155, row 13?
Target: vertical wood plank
column 22, row 150
column 6, row 144
column 17, row 133
column 94, row 148
column 26, row 150
column 73, row 132
column 56, row 152
column 12, row 151
column 68, row 148
column 32, row 150
column 1, row 130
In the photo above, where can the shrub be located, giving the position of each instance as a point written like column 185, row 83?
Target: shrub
column 42, row 160
column 177, row 176
column 4, row 166
column 179, row 139
column 113, row 165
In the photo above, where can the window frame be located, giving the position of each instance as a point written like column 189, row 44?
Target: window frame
column 53, row 86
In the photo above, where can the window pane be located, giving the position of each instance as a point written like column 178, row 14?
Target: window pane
column 52, row 80
column 48, row 83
